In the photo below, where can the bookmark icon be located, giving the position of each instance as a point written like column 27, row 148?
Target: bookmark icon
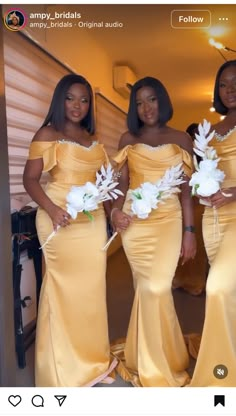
column 219, row 399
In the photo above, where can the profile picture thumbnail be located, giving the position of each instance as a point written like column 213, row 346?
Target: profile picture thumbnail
column 15, row 19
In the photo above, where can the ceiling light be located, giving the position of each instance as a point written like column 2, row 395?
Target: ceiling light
column 216, row 45
column 219, row 46
column 217, row 30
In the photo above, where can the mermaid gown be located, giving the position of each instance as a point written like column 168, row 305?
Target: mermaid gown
column 155, row 354
column 72, row 345
column 218, row 343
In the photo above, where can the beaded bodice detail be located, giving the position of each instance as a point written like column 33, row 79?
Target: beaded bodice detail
column 221, row 138
column 153, row 148
column 63, row 141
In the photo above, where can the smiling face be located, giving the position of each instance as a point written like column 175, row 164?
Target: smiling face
column 77, row 103
column 147, row 106
column 14, row 21
column 227, row 87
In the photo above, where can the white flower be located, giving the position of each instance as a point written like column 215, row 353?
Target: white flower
column 149, row 195
column 209, row 167
column 106, row 185
column 202, row 140
column 75, row 199
column 141, row 208
column 91, row 189
column 208, row 187
column 86, row 198
column 207, row 178
column 203, row 185
column 82, row 198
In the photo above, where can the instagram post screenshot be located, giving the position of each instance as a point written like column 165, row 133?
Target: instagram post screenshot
column 118, row 209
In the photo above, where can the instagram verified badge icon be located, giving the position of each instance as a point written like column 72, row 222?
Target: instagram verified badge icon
column 15, row 19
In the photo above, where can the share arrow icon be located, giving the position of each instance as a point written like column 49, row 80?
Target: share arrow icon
column 60, row 399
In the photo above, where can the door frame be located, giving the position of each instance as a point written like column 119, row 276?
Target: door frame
column 8, row 366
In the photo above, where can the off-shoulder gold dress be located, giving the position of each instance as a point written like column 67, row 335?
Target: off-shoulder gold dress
column 218, row 343
column 155, row 354
column 72, row 345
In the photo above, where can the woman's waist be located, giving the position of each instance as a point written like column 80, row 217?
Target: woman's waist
column 72, row 178
column 138, row 179
column 228, row 210
column 228, row 183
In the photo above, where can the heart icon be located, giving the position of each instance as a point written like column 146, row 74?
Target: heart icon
column 14, row 400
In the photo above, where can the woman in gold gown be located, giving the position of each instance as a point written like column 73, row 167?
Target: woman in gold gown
column 155, row 354
column 218, row 343
column 72, row 345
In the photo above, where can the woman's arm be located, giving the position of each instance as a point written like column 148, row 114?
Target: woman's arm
column 31, row 177
column 119, row 219
column 189, row 245
column 188, row 250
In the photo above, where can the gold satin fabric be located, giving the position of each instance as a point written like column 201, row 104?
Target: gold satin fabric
column 218, row 343
column 192, row 275
column 72, row 345
column 155, row 354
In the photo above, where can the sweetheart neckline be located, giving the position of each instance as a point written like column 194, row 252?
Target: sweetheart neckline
column 63, row 141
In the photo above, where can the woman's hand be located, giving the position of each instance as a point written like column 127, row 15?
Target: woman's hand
column 203, row 200
column 222, row 197
column 59, row 216
column 189, row 247
column 120, row 221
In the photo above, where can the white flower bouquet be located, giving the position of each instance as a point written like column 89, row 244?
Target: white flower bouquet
column 86, row 198
column 207, row 178
column 147, row 197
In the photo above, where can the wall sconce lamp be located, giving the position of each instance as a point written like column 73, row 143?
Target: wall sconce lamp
column 219, row 46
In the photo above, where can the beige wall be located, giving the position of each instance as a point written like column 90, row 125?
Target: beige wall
column 86, row 56
column 83, row 53
column 79, row 50
column 186, row 114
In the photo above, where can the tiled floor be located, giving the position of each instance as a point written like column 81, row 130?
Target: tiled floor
column 190, row 310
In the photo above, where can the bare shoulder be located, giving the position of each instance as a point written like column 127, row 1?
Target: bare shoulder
column 220, row 127
column 126, row 139
column 183, row 140
column 46, row 134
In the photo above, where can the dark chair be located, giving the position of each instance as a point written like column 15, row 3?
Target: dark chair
column 24, row 237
